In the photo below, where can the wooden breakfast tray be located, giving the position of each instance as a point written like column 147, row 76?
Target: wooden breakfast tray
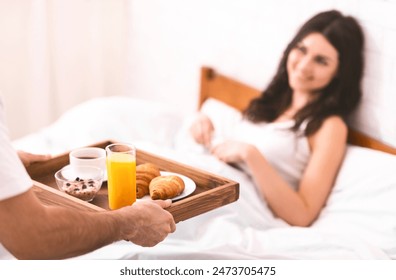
column 212, row 191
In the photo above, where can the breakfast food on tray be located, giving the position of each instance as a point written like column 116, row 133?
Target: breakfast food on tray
column 164, row 187
column 82, row 189
column 149, row 181
column 144, row 174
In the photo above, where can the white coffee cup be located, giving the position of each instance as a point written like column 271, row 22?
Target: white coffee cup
column 89, row 156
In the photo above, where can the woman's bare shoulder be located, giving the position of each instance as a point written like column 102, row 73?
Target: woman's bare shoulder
column 334, row 123
column 333, row 129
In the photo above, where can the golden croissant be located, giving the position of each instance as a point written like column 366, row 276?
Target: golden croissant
column 164, row 187
column 144, row 174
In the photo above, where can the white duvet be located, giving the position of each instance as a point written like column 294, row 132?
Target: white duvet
column 358, row 221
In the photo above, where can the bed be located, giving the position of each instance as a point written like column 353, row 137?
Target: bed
column 357, row 222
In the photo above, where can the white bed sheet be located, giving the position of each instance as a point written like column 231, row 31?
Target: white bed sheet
column 358, row 222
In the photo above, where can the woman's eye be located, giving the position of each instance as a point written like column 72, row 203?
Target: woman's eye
column 321, row 61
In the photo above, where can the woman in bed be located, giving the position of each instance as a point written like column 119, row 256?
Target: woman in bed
column 299, row 119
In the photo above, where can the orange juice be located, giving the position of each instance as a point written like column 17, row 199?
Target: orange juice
column 121, row 179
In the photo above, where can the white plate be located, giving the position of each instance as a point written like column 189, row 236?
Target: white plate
column 189, row 185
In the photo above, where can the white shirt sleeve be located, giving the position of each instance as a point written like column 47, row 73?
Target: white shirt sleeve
column 14, row 178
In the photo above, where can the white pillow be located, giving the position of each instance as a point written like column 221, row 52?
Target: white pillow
column 223, row 116
column 363, row 200
column 120, row 118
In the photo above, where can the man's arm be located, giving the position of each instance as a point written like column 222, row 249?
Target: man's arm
column 31, row 230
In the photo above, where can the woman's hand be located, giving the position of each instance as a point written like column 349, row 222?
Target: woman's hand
column 28, row 158
column 202, row 130
column 231, row 151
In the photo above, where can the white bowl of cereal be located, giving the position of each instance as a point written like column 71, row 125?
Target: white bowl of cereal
column 82, row 182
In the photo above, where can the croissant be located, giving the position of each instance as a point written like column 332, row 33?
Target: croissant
column 164, row 187
column 144, row 174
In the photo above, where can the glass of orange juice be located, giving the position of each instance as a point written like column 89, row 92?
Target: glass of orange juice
column 121, row 174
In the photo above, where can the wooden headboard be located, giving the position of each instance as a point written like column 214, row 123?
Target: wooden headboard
column 238, row 95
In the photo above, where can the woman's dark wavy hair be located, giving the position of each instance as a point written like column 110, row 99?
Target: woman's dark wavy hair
column 340, row 97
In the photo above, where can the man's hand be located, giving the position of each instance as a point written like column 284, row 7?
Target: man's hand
column 147, row 222
column 28, row 158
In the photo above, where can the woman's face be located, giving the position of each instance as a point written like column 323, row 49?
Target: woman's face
column 312, row 64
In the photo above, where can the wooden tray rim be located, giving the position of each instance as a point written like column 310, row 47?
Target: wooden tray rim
column 176, row 206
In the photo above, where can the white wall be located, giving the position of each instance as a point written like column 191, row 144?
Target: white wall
column 165, row 44
column 170, row 40
column 13, row 57
column 56, row 54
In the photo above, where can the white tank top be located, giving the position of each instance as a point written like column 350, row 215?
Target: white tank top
column 287, row 151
